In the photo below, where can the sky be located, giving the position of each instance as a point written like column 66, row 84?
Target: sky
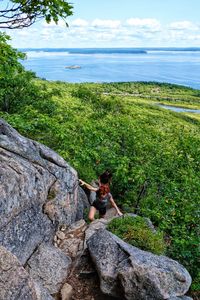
column 117, row 23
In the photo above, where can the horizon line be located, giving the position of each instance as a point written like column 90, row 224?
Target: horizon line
column 165, row 47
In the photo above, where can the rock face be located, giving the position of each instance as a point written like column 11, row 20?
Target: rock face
column 41, row 292
column 15, row 282
column 49, row 266
column 181, row 298
column 39, row 194
column 71, row 239
column 38, row 191
column 127, row 271
column 83, row 204
column 94, row 227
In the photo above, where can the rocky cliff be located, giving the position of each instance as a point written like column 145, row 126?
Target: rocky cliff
column 41, row 244
column 38, row 191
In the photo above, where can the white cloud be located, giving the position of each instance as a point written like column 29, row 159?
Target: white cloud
column 79, row 23
column 133, row 32
column 195, row 38
column 46, row 32
column 106, row 23
column 148, row 24
column 23, row 33
column 183, row 25
column 52, row 24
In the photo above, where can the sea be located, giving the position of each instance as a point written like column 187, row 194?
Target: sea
column 170, row 65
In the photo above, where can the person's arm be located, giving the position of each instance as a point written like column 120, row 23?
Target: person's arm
column 88, row 186
column 115, row 206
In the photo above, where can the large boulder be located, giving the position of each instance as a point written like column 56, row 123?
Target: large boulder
column 126, row 271
column 49, row 267
column 94, row 227
column 15, row 282
column 41, row 292
column 39, row 190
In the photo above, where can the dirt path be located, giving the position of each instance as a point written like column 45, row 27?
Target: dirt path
column 85, row 281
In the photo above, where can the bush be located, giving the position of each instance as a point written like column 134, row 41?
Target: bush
column 17, row 86
column 135, row 231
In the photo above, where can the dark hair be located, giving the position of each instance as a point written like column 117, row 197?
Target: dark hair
column 105, row 177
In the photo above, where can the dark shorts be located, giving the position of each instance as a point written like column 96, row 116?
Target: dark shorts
column 101, row 209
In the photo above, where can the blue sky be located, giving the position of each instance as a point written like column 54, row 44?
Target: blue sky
column 116, row 23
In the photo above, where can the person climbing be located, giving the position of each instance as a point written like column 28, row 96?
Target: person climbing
column 103, row 196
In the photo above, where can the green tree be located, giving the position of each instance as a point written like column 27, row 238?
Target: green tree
column 17, row 86
column 9, row 56
column 23, row 13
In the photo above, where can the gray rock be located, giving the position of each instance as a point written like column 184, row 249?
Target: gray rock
column 38, row 189
column 127, row 271
column 76, row 228
column 111, row 213
column 181, row 298
column 49, row 266
column 100, row 223
column 94, row 227
column 92, row 196
column 70, row 240
column 25, row 232
column 15, row 282
column 83, row 203
column 71, row 247
column 41, row 292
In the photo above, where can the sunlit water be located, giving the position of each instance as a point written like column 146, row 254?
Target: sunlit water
column 180, row 109
column 116, row 65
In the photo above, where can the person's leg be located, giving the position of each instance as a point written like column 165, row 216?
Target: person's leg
column 92, row 213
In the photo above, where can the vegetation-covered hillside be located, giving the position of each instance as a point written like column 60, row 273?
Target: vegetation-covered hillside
column 154, row 153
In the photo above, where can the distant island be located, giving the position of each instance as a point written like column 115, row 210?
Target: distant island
column 125, row 50
column 73, row 67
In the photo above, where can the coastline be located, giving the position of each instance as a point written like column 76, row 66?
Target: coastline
column 179, row 66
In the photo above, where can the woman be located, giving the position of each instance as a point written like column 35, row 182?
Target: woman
column 103, row 196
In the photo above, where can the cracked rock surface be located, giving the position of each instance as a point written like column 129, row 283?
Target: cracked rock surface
column 39, row 195
column 38, row 189
column 136, row 274
column 15, row 282
column 49, row 266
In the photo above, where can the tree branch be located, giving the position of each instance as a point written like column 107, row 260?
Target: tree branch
column 23, row 14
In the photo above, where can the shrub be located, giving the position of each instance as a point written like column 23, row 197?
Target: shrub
column 17, row 86
column 135, row 231
column 85, row 94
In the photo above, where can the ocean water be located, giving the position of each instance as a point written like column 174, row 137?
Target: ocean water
column 172, row 65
